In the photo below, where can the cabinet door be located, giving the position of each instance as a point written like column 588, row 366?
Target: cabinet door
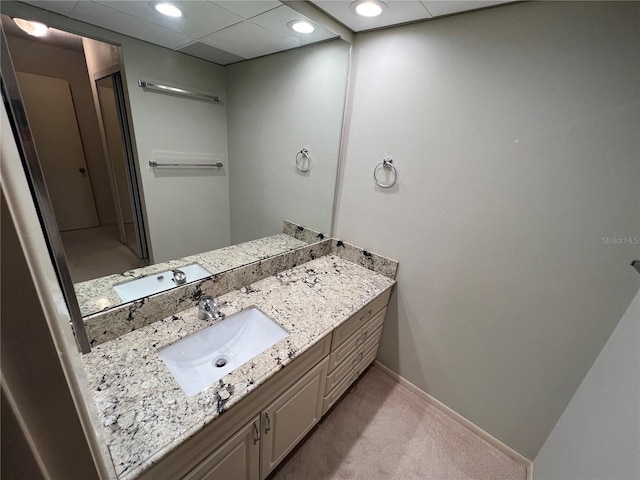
column 288, row 419
column 236, row 459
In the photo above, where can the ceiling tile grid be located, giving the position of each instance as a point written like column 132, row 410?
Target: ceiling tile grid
column 220, row 31
column 228, row 31
column 248, row 8
column 398, row 11
column 198, row 18
column 111, row 19
column 246, row 40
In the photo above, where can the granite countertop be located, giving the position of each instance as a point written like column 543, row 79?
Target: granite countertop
column 98, row 294
column 145, row 413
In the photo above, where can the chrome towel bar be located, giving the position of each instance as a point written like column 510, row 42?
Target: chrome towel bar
column 155, row 164
column 177, row 91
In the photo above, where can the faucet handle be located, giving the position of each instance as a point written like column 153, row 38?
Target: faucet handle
column 208, row 308
column 204, row 299
column 202, row 306
column 179, row 277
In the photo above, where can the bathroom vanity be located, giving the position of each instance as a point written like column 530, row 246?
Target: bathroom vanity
column 245, row 424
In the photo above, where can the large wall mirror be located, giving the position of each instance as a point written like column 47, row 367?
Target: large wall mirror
column 139, row 177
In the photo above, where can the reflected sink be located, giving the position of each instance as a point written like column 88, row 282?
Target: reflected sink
column 158, row 282
column 201, row 359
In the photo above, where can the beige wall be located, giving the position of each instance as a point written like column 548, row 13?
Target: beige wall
column 515, row 134
column 598, row 435
column 187, row 210
column 277, row 105
column 46, row 427
column 33, row 56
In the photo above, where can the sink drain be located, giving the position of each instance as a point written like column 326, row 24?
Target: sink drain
column 220, row 362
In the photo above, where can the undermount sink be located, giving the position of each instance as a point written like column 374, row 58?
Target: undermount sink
column 201, row 359
column 158, row 282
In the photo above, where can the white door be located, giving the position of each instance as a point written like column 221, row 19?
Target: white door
column 54, row 126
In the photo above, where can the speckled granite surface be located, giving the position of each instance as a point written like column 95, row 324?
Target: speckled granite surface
column 372, row 261
column 144, row 412
column 302, row 233
column 98, row 295
column 128, row 317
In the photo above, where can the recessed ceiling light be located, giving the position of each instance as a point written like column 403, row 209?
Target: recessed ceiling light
column 168, row 9
column 301, row 26
column 36, row 29
column 368, row 8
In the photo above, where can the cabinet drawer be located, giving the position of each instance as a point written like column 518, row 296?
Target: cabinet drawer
column 335, row 377
column 352, row 376
column 344, row 331
column 359, row 337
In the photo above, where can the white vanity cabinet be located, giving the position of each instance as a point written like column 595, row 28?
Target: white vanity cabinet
column 255, row 450
column 237, row 458
column 250, row 440
column 293, row 399
column 354, row 347
column 290, row 417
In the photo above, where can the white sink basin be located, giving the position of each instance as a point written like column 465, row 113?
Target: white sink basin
column 201, row 359
column 158, row 282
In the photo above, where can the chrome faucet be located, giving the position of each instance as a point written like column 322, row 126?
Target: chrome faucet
column 208, row 309
column 179, row 277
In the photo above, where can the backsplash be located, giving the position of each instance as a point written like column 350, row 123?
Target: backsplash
column 372, row 261
column 107, row 325
column 99, row 295
column 304, row 234
column 126, row 318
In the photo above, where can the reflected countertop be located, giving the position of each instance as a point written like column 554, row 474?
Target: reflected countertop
column 99, row 295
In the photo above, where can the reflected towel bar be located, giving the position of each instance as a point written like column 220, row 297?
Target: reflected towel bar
column 156, row 164
column 177, row 91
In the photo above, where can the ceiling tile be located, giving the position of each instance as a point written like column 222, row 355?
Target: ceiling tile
column 62, row 7
column 248, row 8
column 120, row 22
column 198, row 19
column 399, row 11
column 211, row 54
column 276, row 21
column 246, row 40
column 442, row 7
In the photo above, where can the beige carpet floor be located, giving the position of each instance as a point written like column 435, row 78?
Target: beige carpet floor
column 381, row 430
column 96, row 252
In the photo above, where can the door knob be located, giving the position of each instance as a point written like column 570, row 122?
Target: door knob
column 81, row 170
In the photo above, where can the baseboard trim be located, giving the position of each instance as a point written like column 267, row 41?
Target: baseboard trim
column 468, row 424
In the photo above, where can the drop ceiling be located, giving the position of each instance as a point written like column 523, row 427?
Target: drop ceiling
column 223, row 32
column 399, row 11
column 226, row 32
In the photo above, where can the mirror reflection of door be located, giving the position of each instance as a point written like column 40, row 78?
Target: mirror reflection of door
column 54, row 127
column 121, row 166
column 90, row 196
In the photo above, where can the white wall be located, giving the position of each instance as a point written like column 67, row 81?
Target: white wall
column 187, row 209
column 598, row 435
column 34, row 382
column 277, row 105
column 33, row 56
column 515, row 134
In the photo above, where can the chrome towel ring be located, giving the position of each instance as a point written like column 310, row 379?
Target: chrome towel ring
column 303, row 160
column 391, row 173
